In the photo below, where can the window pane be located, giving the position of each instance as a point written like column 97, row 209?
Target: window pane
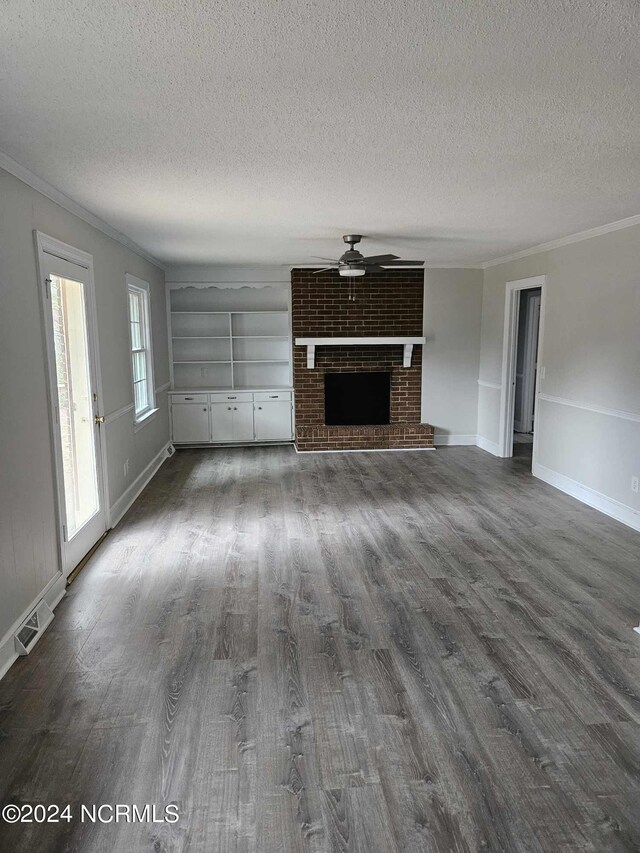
column 136, row 336
column 139, row 366
column 140, row 396
column 134, row 307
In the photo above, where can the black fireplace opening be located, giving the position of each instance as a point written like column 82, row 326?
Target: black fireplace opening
column 356, row 399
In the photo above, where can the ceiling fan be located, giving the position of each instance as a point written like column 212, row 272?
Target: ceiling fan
column 353, row 262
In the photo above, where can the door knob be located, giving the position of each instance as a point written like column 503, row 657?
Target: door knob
column 99, row 419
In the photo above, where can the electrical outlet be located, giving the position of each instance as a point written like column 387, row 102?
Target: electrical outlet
column 126, row 468
column 634, row 485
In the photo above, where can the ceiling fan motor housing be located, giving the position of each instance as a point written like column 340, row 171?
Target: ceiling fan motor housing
column 353, row 262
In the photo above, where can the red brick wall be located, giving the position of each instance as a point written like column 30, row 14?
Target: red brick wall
column 386, row 303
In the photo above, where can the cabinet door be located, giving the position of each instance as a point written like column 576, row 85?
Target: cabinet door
column 243, row 421
column 190, row 422
column 222, row 422
column 273, row 420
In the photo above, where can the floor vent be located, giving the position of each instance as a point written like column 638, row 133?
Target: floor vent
column 32, row 628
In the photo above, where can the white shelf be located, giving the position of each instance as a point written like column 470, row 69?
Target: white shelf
column 406, row 342
column 245, row 346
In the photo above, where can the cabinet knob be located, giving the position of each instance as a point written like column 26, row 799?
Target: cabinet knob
column 204, row 410
column 235, row 408
column 260, row 407
column 228, row 408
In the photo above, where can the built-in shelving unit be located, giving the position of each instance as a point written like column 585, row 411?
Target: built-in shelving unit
column 229, row 338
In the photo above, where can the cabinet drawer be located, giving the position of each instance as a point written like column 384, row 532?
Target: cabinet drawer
column 189, row 398
column 263, row 396
column 234, row 396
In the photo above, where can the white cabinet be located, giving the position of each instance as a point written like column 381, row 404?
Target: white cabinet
column 231, row 417
column 272, row 420
column 232, row 421
column 190, row 422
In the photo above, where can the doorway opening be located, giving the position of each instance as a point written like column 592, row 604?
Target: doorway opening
column 521, row 367
column 526, row 368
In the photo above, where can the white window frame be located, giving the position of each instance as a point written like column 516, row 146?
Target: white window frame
column 139, row 286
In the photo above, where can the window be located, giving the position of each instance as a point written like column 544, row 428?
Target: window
column 141, row 352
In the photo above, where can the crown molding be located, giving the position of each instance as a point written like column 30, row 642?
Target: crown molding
column 44, row 188
column 629, row 222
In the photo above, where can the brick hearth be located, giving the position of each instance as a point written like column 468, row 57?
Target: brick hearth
column 386, row 304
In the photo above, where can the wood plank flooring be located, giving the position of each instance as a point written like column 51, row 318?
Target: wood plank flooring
column 347, row 652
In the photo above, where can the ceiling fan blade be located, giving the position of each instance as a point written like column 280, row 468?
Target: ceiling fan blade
column 331, row 260
column 326, row 269
column 378, row 259
column 402, row 263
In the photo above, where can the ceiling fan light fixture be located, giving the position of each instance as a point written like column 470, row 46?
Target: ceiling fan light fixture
column 351, row 271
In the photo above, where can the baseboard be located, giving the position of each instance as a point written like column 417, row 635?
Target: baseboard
column 490, row 446
column 445, row 439
column 52, row 593
column 609, row 506
column 118, row 509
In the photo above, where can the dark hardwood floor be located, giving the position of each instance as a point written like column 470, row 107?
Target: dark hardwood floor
column 344, row 652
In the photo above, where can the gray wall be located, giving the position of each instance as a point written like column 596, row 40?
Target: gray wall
column 588, row 434
column 452, row 319
column 28, row 546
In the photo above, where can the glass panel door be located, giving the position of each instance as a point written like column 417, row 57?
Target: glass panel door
column 69, row 313
column 76, row 418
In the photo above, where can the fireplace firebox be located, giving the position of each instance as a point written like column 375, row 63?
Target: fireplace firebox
column 360, row 399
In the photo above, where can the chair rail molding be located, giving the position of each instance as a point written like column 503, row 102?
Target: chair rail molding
column 591, row 407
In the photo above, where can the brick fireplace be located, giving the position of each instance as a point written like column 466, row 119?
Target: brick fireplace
column 385, row 304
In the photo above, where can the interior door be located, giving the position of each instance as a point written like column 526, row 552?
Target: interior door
column 530, row 363
column 77, row 422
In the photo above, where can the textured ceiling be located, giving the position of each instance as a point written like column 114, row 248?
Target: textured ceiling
column 259, row 132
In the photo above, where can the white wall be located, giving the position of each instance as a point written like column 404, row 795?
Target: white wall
column 28, row 545
column 450, row 358
column 588, row 416
column 203, row 274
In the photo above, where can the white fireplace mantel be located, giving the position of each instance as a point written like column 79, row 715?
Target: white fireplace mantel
column 312, row 343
